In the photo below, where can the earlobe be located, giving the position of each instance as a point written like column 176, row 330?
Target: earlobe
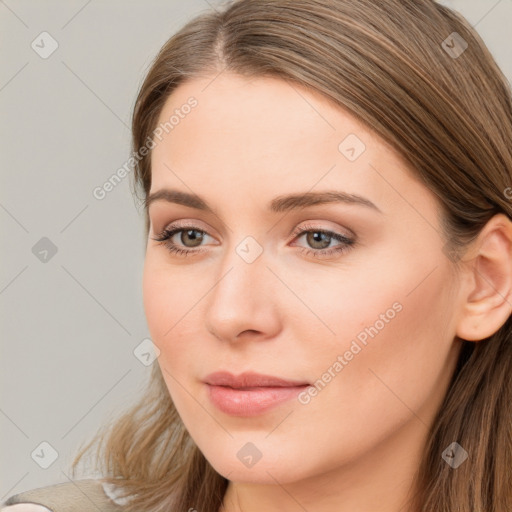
column 488, row 301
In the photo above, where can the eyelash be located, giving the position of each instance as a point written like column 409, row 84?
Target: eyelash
column 346, row 243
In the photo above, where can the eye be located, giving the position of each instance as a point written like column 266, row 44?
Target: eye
column 318, row 239
column 189, row 234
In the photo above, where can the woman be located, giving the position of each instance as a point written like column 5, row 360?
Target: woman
column 328, row 274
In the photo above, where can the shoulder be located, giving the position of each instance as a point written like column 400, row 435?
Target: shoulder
column 86, row 495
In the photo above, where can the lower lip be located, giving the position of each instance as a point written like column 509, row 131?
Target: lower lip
column 251, row 402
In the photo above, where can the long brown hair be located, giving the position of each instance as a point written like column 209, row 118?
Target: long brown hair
column 396, row 66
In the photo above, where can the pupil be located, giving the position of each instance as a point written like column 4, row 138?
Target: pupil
column 317, row 238
column 190, row 235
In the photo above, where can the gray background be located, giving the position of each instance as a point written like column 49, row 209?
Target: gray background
column 70, row 324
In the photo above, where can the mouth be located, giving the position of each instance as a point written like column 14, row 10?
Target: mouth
column 250, row 380
column 250, row 394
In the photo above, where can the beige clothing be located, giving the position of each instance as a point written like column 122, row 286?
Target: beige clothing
column 86, row 495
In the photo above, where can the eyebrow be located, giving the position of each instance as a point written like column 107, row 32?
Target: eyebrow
column 279, row 204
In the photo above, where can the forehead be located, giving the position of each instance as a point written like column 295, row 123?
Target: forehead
column 265, row 136
column 263, row 110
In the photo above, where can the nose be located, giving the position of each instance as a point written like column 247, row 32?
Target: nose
column 244, row 300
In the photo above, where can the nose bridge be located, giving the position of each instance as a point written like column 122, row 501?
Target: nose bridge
column 242, row 272
column 242, row 296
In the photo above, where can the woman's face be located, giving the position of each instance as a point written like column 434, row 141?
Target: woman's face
column 365, row 319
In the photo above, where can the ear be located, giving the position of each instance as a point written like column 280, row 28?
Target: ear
column 487, row 297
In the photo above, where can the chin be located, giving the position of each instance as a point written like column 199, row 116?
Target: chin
column 239, row 467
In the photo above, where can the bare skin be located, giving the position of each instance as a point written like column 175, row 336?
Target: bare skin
column 356, row 444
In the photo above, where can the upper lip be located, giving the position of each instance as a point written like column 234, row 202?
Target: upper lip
column 249, row 379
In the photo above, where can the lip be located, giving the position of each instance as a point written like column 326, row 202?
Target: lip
column 250, row 394
column 250, row 380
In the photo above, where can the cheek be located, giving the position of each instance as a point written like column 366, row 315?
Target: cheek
column 163, row 305
column 394, row 335
column 398, row 376
column 387, row 297
column 170, row 296
column 163, row 299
